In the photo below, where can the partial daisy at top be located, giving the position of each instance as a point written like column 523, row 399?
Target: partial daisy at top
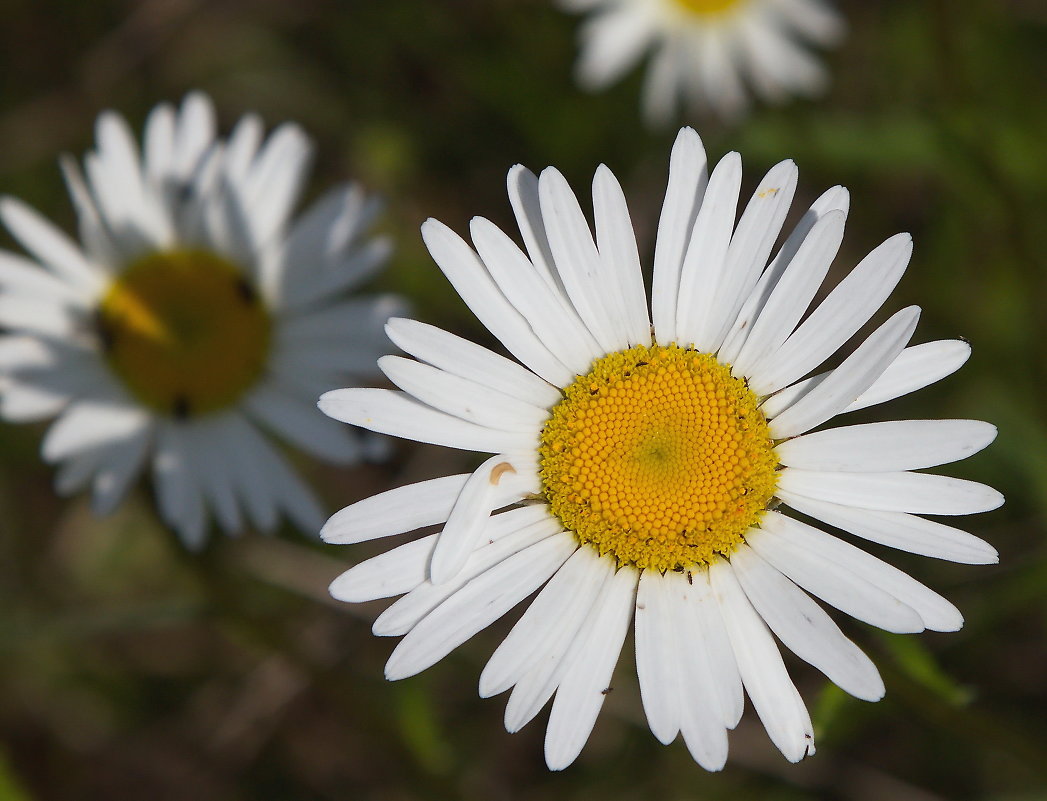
column 707, row 55
column 193, row 318
column 643, row 463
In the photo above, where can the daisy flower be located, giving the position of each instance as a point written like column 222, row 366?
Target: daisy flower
column 644, row 460
column 192, row 315
column 704, row 51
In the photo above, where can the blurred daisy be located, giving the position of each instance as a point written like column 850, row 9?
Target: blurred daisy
column 704, row 50
column 646, row 464
column 192, row 314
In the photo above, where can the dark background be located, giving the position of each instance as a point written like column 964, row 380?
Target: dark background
column 131, row 669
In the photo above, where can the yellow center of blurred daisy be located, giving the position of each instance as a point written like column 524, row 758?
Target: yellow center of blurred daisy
column 706, row 8
column 658, row 456
column 185, row 332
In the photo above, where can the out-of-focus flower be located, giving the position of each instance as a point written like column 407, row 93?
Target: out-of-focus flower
column 646, row 456
column 703, row 52
column 192, row 314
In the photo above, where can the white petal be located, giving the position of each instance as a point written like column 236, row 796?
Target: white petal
column 476, row 605
column 612, row 42
column 881, row 447
column 391, row 573
column 48, row 244
column 656, row 668
column 484, row 491
column 590, row 664
column 899, row 530
column 395, row 511
column 578, row 262
column 723, row 668
column 751, row 244
column 835, row 199
column 471, row 361
column 522, row 185
column 395, row 413
column 766, row 680
column 856, row 374
column 504, row 534
column 549, row 314
column 467, row 275
column 275, row 181
column 804, row 627
column 545, row 630
column 683, row 196
column 776, row 541
column 616, row 242
column 792, row 295
column 88, row 424
column 935, row 611
column 701, row 713
column 846, row 309
column 465, row 399
column 121, row 466
column 177, row 492
column 916, row 367
column 919, row 493
column 703, row 265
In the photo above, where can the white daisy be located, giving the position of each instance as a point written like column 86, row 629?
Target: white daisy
column 645, row 466
column 704, row 51
column 192, row 314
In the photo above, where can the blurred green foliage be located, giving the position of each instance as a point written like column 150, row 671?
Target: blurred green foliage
column 131, row 669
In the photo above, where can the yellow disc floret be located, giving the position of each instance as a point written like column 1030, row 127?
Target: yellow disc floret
column 185, row 331
column 658, row 456
column 706, row 8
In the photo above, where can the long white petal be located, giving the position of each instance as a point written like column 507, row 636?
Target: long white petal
column 881, row 447
column 578, row 262
column 791, row 296
column 919, row 493
column 760, row 663
column 936, row 612
column 485, row 490
column 899, row 530
column 504, row 534
column 549, row 313
column 476, row 605
column 586, row 680
column 804, row 627
column 461, row 397
column 552, row 619
column 683, row 196
column 656, row 666
column 846, row 309
column 751, row 244
column 471, row 361
column 822, row 577
column 856, row 374
column 395, row 511
column 394, row 572
column 616, row 242
column 703, row 262
column 395, row 413
column 467, row 275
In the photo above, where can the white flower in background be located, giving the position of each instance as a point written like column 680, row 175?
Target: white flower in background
column 193, row 314
column 646, row 467
column 703, row 52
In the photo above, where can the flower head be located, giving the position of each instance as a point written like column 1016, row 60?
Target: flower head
column 644, row 459
column 192, row 313
column 705, row 51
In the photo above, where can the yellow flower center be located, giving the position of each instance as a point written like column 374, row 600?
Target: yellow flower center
column 658, row 456
column 706, row 8
column 185, row 331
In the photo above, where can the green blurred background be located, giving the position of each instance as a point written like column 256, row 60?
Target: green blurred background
column 130, row 669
